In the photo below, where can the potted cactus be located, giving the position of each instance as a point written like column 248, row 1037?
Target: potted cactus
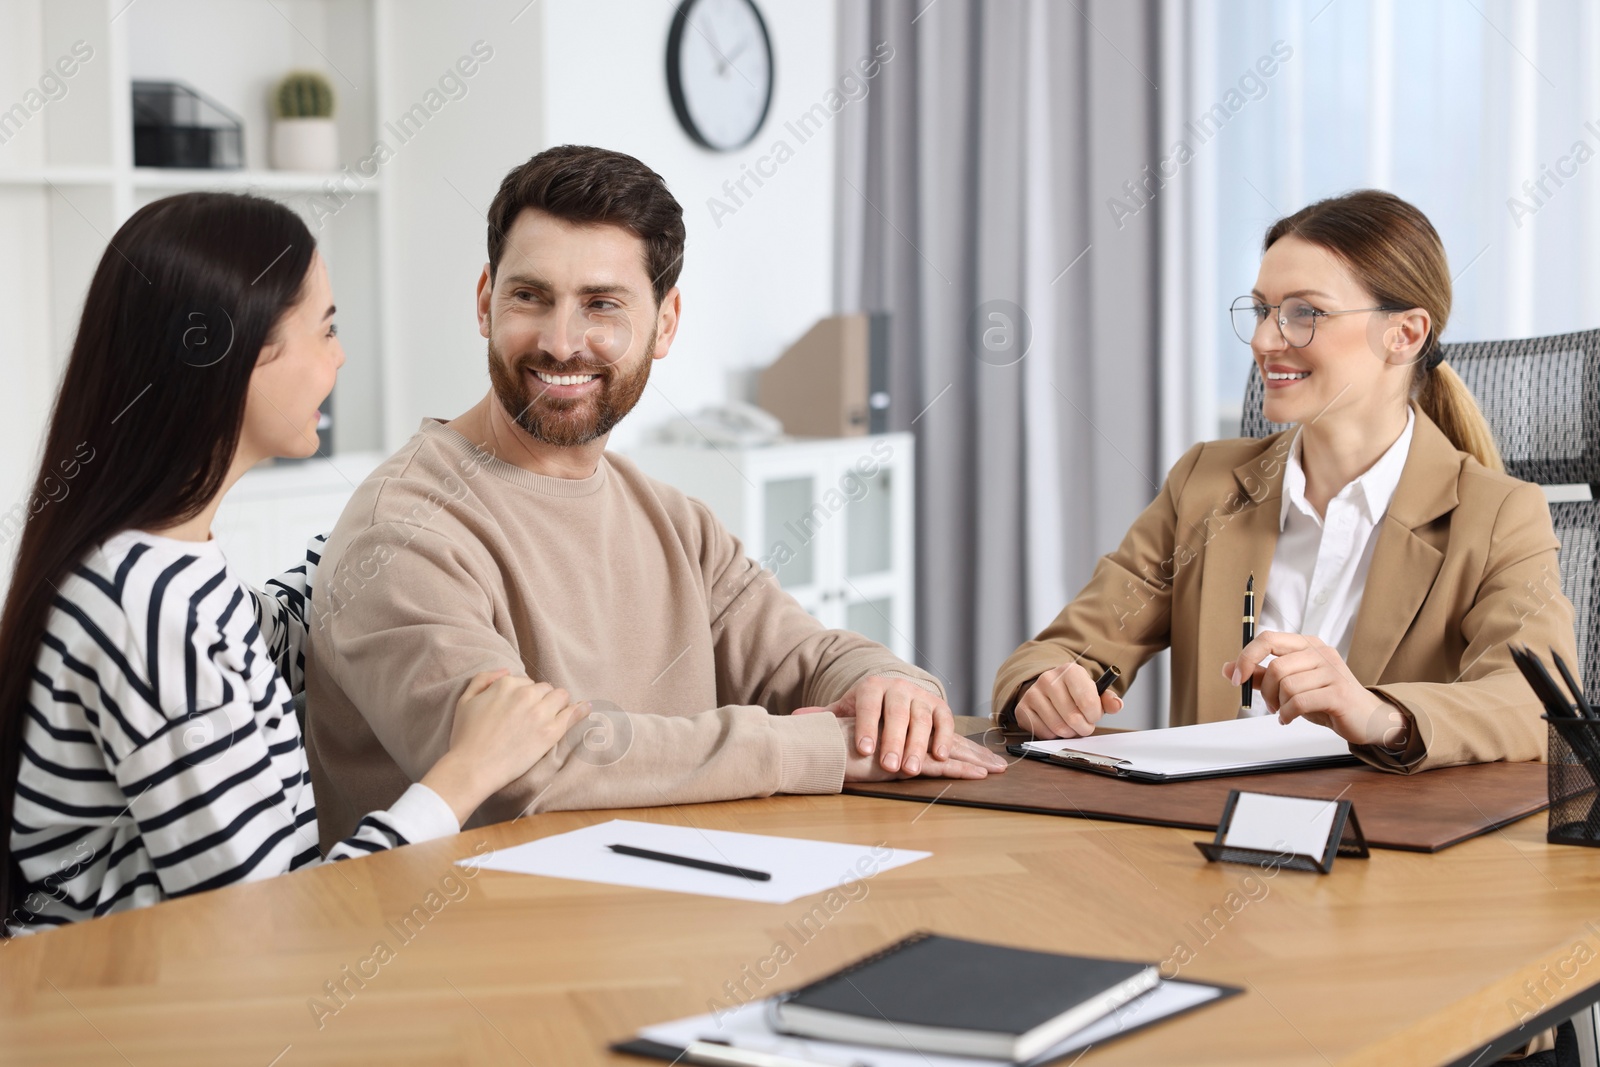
column 304, row 136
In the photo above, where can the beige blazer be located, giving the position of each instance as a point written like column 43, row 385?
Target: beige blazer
column 1466, row 561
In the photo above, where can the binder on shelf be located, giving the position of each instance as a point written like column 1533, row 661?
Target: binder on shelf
column 834, row 381
column 175, row 125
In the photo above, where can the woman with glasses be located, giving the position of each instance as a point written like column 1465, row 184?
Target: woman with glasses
column 1392, row 558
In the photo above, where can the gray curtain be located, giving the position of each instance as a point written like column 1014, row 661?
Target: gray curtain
column 972, row 204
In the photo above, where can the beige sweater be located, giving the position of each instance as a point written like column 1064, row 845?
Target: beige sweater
column 615, row 587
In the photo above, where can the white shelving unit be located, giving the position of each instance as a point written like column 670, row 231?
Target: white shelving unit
column 831, row 517
column 67, row 182
column 265, row 522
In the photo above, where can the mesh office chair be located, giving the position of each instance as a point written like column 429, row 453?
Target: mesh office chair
column 1541, row 396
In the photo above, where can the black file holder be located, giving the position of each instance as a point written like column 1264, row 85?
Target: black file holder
column 1574, row 777
column 176, row 126
column 1344, row 839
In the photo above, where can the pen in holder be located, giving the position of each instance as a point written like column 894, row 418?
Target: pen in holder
column 1574, row 776
column 1574, row 750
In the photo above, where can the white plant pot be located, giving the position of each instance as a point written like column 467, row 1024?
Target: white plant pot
column 305, row 144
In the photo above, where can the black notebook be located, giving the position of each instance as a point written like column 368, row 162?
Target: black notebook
column 942, row 994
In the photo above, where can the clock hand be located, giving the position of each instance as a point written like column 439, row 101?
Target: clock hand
column 711, row 39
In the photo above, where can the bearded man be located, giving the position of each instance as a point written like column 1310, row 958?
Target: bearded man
column 509, row 538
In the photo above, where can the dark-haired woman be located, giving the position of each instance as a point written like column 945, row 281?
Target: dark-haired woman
column 1393, row 557
column 148, row 742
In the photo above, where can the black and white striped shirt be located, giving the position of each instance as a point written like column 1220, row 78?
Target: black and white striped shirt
column 161, row 755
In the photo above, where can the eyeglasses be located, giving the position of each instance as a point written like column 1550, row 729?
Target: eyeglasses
column 1297, row 320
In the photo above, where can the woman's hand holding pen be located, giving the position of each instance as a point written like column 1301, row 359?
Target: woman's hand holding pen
column 1063, row 702
column 1310, row 679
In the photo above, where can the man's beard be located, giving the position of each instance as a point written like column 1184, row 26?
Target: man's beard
column 567, row 423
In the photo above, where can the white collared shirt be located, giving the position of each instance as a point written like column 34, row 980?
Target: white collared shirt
column 1319, row 569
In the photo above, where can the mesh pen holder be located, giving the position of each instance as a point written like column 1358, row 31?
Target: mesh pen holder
column 1574, row 776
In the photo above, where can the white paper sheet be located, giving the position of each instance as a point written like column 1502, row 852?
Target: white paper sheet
column 1209, row 746
column 798, row 867
column 1281, row 824
column 746, row 1027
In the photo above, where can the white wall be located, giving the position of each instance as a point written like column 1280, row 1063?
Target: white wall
column 753, row 285
column 440, row 183
column 594, row 72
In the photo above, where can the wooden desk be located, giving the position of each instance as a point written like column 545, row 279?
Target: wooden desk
column 1399, row 959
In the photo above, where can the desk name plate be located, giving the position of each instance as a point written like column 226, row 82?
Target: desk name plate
column 1299, row 833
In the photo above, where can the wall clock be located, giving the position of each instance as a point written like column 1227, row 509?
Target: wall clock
column 719, row 71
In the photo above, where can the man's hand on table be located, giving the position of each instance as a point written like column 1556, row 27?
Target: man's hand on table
column 894, row 728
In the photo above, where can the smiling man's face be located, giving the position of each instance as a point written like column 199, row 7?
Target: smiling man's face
column 573, row 327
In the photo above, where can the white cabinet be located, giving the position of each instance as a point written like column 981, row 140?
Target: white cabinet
column 831, row 518
column 269, row 515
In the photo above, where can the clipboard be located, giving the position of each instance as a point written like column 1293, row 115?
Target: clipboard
column 1204, row 750
column 1123, row 769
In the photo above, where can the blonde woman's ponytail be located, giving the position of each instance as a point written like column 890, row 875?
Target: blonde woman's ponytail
column 1446, row 400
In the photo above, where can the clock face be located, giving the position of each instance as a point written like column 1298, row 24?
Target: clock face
column 719, row 71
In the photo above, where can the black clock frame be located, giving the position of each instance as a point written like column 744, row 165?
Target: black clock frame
column 680, row 106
